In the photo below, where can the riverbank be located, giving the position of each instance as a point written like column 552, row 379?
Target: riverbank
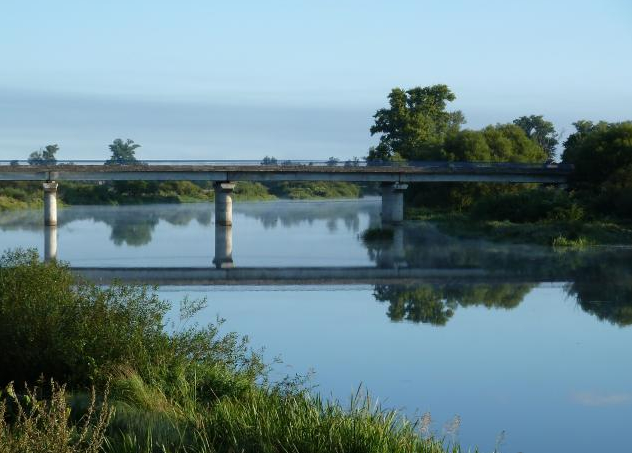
column 28, row 195
column 561, row 233
column 195, row 390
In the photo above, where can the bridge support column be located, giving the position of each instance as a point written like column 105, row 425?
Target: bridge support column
column 393, row 202
column 223, row 246
column 50, row 203
column 224, row 202
column 50, row 243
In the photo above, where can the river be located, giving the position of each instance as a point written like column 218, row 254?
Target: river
column 530, row 354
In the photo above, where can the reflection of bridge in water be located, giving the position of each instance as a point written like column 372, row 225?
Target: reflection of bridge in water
column 192, row 276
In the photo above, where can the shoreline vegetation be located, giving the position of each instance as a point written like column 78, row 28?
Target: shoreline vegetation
column 90, row 369
column 28, row 195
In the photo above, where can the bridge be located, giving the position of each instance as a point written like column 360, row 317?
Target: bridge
column 394, row 177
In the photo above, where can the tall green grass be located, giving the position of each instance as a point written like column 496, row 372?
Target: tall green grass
column 191, row 391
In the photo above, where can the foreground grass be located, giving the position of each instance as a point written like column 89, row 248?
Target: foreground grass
column 190, row 391
column 552, row 233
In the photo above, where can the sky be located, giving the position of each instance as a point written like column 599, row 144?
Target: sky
column 294, row 79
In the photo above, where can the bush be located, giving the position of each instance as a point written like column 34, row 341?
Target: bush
column 529, row 206
column 78, row 333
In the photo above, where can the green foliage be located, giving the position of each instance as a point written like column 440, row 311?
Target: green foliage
column 377, row 235
column 415, row 124
column 312, row 190
column 598, row 151
column 267, row 160
column 74, row 332
column 123, row 152
column 540, row 131
column 188, row 391
column 44, row 156
column 499, row 143
column 436, row 304
column 533, row 205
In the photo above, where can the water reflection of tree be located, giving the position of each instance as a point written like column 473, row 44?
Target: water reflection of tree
column 604, row 289
column 436, row 304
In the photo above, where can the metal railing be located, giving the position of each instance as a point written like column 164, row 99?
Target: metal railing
column 297, row 163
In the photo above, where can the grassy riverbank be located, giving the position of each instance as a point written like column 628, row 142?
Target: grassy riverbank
column 558, row 233
column 193, row 390
column 29, row 195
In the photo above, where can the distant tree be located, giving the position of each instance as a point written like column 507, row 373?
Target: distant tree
column 355, row 162
column 268, row 160
column 14, row 163
column 45, row 156
column 332, row 161
column 415, row 124
column 123, row 152
column 540, row 131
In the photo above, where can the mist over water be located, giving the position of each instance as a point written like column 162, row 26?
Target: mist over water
column 520, row 349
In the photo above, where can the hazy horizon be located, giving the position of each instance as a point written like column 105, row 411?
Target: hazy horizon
column 239, row 81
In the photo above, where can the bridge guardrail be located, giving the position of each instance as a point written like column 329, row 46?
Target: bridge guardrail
column 298, row 163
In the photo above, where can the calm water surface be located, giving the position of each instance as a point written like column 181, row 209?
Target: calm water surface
column 534, row 356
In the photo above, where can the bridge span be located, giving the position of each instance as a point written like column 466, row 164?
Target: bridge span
column 394, row 177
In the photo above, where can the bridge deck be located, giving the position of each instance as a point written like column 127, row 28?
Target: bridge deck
column 240, row 171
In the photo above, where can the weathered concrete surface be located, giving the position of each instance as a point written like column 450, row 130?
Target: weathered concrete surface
column 50, row 203
column 224, row 203
column 464, row 172
column 393, row 202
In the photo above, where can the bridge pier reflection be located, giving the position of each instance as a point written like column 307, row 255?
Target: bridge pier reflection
column 50, row 243
column 394, row 256
column 223, row 246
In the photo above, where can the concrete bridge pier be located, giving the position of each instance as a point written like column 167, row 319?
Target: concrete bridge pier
column 224, row 202
column 50, row 203
column 223, row 246
column 393, row 202
column 50, row 243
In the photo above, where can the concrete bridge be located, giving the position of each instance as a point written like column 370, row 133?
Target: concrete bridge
column 394, row 177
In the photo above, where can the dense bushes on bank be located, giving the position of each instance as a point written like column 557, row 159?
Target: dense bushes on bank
column 193, row 390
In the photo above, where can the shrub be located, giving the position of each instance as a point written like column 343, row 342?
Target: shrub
column 529, row 206
column 75, row 332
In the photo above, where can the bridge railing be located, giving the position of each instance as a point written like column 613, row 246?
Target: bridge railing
column 273, row 163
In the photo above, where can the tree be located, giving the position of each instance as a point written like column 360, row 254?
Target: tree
column 123, row 152
column 598, row 151
column 415, row 125
column 269, row 160
column 45, row 156
column 540, row 131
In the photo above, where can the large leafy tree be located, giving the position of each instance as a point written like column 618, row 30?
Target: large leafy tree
column 599, row 150
column 540, row 131
column 45, row 156
column 415, row 124
column 123, row 152
column 499, row 143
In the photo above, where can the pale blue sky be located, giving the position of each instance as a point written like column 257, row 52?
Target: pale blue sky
column 331, row 61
